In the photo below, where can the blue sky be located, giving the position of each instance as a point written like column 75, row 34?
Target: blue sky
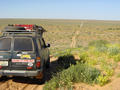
column 61, row 9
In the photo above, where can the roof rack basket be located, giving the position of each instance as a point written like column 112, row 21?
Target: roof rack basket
column 13, row 31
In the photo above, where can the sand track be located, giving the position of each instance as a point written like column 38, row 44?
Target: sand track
column 74, row 38
column 15, row 84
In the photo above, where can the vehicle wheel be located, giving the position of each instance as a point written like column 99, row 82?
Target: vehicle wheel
column 48, row 63
column 3, row 78
column 42, row 81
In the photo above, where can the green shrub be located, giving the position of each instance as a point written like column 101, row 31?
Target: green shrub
column 76, row 73
column 117, row 58
column 113, row 51
column 102, row 49
column 65, row 52
column 92, row 62
column 107, row 68
column 102, row 80
column 83, row 57
column 98, row 43
column 110, row 28
column 109, row 72
column 52, row 84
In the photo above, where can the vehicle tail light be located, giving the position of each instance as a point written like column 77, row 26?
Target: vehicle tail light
column 29, row 67
column 0, row 67
column 38, row 58
column 38, row 62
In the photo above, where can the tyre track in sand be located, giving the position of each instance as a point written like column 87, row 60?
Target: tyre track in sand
column 19, row 84
column 73, row 43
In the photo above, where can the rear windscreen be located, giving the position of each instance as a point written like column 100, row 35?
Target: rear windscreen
column 23, row 44
column 5, row 44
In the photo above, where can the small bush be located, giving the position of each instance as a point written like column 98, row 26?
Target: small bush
column 107, row 68
column 83, row 57
column 109, row 72
column 117, row 58
column 102, row 49
column 113, row 51
column 102, row 80
column 110, row 28
column 98, row 43
column 92, row 62
column 76, row 73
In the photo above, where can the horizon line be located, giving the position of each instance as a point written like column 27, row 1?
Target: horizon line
column 63, row 19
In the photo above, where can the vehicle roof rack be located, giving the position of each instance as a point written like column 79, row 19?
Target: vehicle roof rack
column 20, row 30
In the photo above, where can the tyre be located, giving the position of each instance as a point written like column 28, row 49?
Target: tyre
column 42, row 81
column 48, row 63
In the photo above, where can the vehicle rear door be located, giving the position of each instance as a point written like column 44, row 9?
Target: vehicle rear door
column 24, row 55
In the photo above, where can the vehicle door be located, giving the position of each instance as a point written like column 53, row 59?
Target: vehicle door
column 44, row 52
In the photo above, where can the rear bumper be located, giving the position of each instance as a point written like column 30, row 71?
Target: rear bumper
column 19, row 73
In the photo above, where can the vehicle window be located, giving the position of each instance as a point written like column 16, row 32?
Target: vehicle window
column 23, row 44
column 42, row 43
column 5, row 44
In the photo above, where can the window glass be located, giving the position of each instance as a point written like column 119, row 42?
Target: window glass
column 23, row 44
column 5, row 44
column 42, row 43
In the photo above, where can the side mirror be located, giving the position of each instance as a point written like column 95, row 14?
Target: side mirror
column 48, row 45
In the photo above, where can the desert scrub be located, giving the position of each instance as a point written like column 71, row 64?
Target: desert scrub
column 68, row 51
column 92, row 62
column 83, row 57
column 64, row 52
column 107, row 67
column 102, row 80
column 116, row 58
column 99, row 45
column 113, row 49
column 109, row 72
column 76, row 73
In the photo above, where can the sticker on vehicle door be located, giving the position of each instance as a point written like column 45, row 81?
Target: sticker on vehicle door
column 25, row 56
column 1, row 56
column 18, row 55
column 3, row 63
column 23, row 60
